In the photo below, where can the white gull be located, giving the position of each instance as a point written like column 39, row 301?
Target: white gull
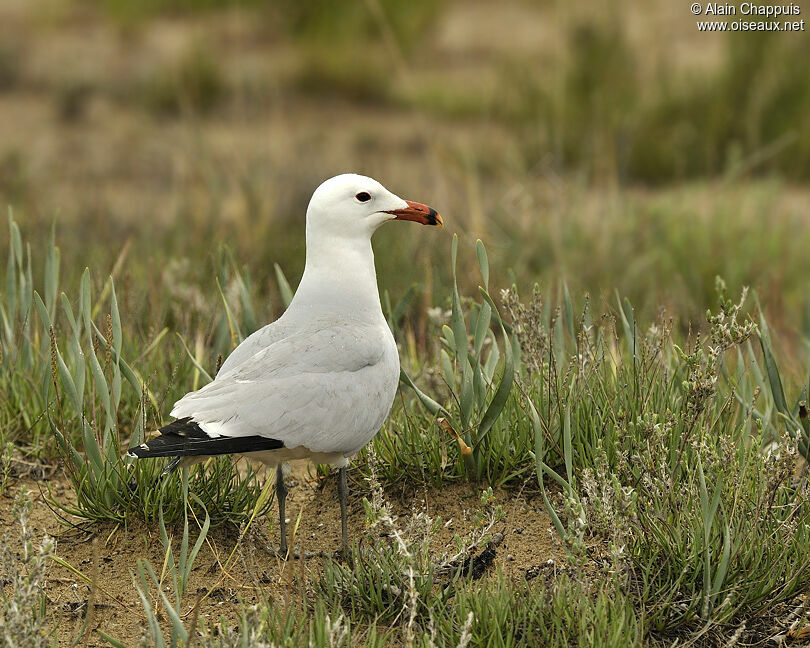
column 319, row 382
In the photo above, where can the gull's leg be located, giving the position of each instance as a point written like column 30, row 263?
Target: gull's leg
column 281, row 494
column 343, row 492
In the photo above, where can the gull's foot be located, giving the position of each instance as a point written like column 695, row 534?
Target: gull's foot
column 343, row 555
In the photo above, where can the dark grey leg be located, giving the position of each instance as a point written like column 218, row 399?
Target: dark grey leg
column 281, row 494
column 343, row 493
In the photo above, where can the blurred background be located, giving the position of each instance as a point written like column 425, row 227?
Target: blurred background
column 610, row 145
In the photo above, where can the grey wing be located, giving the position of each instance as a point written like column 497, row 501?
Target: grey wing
column 328, row 391
column 255, row 342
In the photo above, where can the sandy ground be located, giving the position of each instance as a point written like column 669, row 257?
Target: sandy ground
column 256, row 574
column 77, row 144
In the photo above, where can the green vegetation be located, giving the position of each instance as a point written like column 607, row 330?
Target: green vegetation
column 69, row 392
column 193, row 85
column 661, row 459
column 135, row 10
column 613, row 333
column 600, row 106
column 599, row 113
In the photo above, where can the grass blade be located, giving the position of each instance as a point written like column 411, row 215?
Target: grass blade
column 483, row 262
column 430, row 405
column 283, row 285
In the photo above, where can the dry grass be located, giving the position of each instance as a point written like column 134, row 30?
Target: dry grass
column 591, row 149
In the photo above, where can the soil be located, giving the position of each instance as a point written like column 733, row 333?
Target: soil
column 257, row 574
column 77, row 141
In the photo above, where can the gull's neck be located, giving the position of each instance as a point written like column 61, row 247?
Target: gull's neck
column 339, row 277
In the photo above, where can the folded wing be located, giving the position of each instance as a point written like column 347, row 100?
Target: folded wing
column 328, row 390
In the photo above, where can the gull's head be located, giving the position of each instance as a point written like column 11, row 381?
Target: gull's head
column 352, row 205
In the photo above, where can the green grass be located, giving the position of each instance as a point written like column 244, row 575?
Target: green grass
column 672, row 455
column 193, row 85
column 661, row 420
column 69, row 392
column 668, row 454
column 133, row 11
column 604, row 109
column 660, row 249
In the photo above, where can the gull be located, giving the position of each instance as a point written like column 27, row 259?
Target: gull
column 319, row 382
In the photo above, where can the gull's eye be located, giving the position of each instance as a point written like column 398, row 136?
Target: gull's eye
column 363, row 196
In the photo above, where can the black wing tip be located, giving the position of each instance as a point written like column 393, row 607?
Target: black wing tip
column 185, row 426
column 144, row 454
column 172, row 440
column 139, row 452
column 185, row 437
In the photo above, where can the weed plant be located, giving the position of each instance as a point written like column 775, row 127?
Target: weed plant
column 672, row 457
column 24, row 619
column 64, row 377
column 663, row 460
column 674, row 470
column 397, row 579
column 396, row 588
